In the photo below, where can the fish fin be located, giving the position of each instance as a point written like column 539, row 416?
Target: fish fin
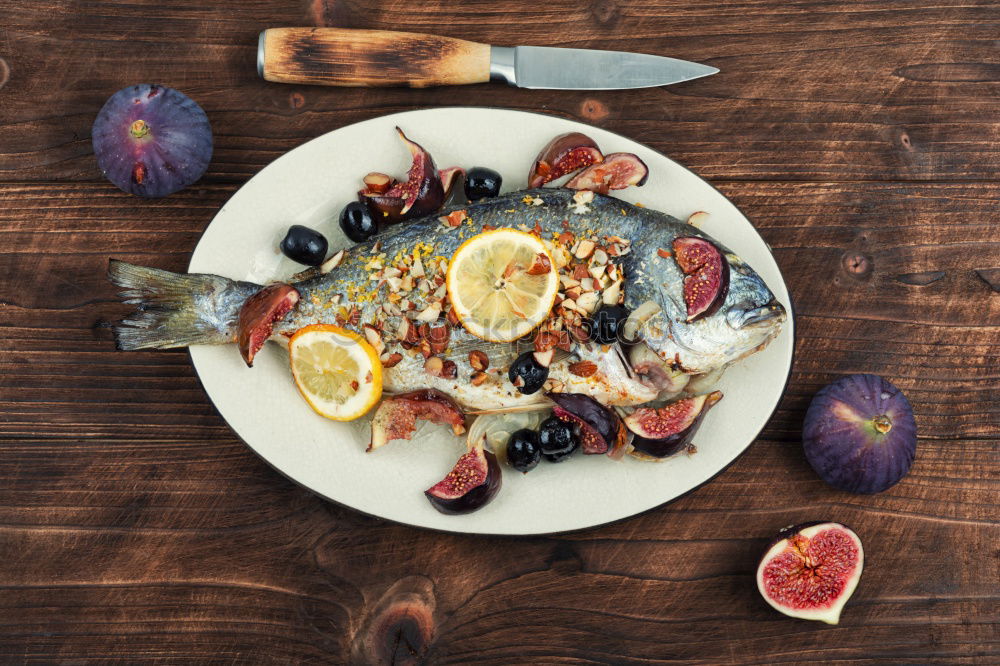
column 175, row 309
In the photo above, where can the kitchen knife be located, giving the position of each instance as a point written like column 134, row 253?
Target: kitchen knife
column 345, row 57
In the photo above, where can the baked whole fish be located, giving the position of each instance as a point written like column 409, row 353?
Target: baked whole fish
column 392, row 289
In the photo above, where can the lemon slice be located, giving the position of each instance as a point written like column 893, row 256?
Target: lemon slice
column 502, row 284
column 337, row 371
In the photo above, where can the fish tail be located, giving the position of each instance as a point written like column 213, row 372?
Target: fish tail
column 175, row 309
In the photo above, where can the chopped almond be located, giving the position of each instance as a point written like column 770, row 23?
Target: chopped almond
column 585, row 249
column 478, row 360
column 544, row 358
column 541, row 265
column 583, row 368
column 449, row 370
column 478, row 378
column 391, row 360
column 433, row 366
column 666, row 254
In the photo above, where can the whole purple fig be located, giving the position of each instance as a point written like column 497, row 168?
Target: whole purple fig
column 151, row 140
column 859, row 434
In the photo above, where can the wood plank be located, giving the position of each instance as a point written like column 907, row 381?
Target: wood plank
column 134, row 525
column 790, row 103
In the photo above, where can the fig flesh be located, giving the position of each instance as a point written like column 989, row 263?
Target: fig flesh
column 563, row 155
column 616, row 172
column 706, row 271
column 859, row 434
column 258, row 316
column 151, row 140
column 810, row 571
column 601, row 431
column 451, row 182
column 471, row 484
column 668, row 430
column 422, row 192
column 396, row 417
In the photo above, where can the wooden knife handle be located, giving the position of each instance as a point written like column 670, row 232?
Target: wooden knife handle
column 343, row 57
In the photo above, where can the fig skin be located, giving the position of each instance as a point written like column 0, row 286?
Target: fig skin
column 810, row 570
column 666, row 431
column 151, row 140
column 259, row 314
column 422, row 192
column 706, row 281
column 563, row 155
column 616, row 172
column 477, row 469
column 601, row 431
column 859, row 434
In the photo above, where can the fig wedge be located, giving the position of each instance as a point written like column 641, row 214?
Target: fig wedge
column 397, row 416
column 258, row 316
column 601, row 431
column 616, row 172
column 563, row 155
column 668, row 430
column 810, row 571
column 706, row 271
column 450, row 178
column 471, row 484
column 420, row 194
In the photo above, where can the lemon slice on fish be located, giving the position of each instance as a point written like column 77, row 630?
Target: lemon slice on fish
column 502, row 284
column 337, row 371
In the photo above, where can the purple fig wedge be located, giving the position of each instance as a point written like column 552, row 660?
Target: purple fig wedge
column 706, row 271
column 668, row 430
column 616, row 172
column 471, row 484
column 563, row 155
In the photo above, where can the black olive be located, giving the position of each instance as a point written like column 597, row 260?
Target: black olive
column 557, row 439
column 481, row 183
column 304, row 245
column 606, row 326
column 527, row 374
column 357, row 223
column 523, row 452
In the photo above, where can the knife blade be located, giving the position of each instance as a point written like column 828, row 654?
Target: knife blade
column 346, row 57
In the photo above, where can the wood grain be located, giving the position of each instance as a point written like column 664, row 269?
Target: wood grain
column 134, row 526
column 348, row 57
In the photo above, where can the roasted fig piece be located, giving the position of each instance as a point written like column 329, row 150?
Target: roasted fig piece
column 616, row 172
column 810, row 571
column 258, row 316
column 422, row 193
column 600, row 429
column 668, row 430
column 563, row 155
column 471, row 484
column 860, row 435
column 397, row 416
column 707, row 275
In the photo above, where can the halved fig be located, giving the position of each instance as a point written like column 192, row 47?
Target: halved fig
column 810, row 571
column 707, row 275
column 601, row 431
column 471, row 484
column 668, row 430
column 258, row 316
column 616, row 172
column 397, row 416
column 420, row 194
column 563, row 155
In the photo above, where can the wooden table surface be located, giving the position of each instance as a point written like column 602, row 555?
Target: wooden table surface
column 134, row 525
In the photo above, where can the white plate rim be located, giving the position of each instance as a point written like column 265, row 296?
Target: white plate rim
column 401, row 115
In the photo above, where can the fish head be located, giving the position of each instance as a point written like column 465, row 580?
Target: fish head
column 745, row 322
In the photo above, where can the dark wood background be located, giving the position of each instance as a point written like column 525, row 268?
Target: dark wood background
column 134, row 525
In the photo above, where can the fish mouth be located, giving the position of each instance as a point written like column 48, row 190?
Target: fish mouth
column 771, row 313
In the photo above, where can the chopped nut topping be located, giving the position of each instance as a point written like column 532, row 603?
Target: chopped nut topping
column 391, row 360
column 434, row 366
column 583, row 368
column 478, row 360
column 478, row 378
column 541, row 265
column 449, row 369
column 544, row 358
column 332, row 262
column 585, row 248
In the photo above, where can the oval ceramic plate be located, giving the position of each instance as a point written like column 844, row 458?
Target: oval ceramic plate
column 310, row 185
